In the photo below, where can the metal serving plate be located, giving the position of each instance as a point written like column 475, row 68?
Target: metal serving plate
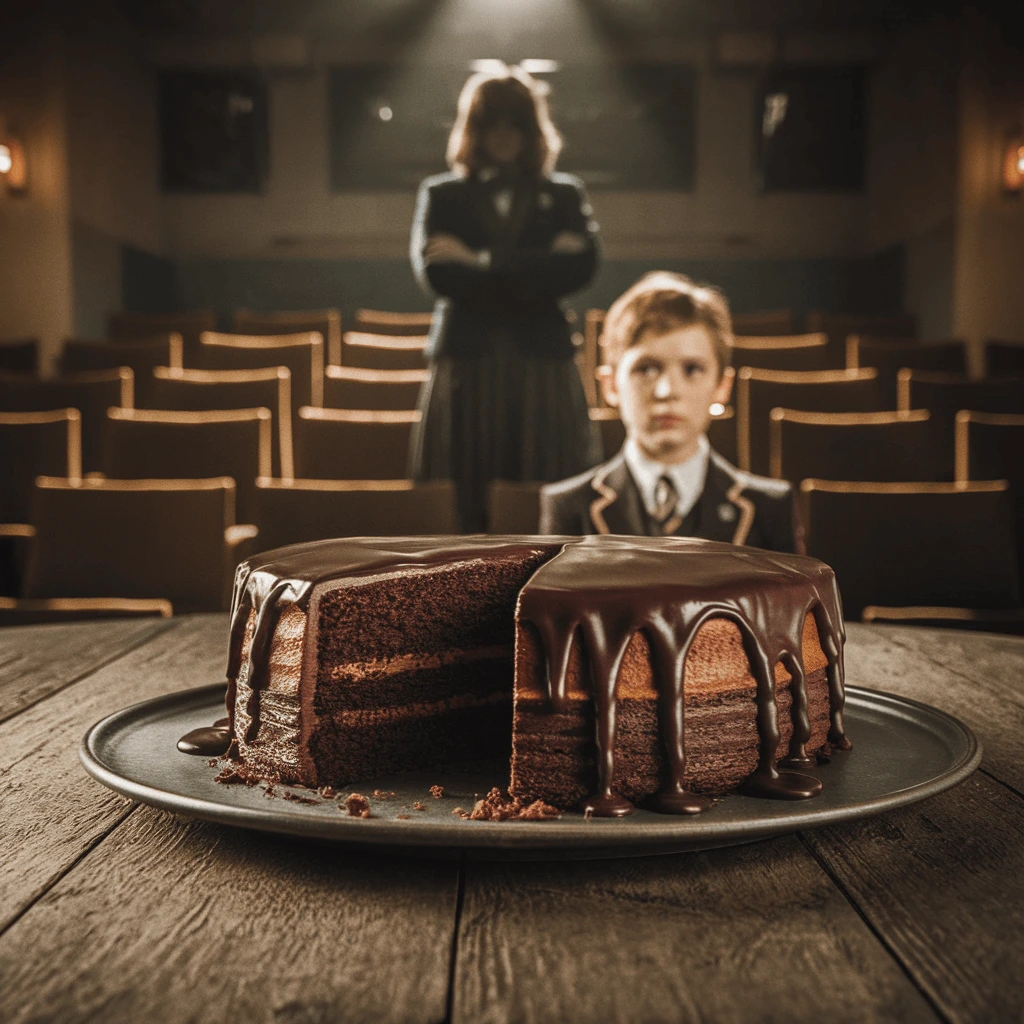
column 904, row 751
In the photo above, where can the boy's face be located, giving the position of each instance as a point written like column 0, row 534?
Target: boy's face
column 664, row 387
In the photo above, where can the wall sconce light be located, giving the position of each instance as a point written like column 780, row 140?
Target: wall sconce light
column 13, row 165
column 1013, row 163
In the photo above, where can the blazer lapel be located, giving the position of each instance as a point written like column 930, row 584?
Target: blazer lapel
column 725, row 513
column 616, row 506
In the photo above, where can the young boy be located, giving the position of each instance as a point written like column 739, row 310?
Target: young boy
column 666, row 347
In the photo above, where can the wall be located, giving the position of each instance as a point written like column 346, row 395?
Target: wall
column 989, row 266
column 35, row 238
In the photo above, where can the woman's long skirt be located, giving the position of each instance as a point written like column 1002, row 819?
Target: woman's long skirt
column 501, row 416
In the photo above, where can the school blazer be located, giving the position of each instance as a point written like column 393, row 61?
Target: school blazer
column 516, row 298
column 735, row 507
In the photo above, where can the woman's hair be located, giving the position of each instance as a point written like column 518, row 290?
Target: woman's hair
column 492, row 96
column 661, row 302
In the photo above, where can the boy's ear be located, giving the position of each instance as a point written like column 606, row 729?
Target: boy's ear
column 606, row 378
column 724, row 389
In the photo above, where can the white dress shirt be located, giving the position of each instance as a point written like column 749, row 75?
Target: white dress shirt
column 687, row 477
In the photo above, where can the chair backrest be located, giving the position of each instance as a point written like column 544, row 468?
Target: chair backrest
column 91, row 393
column 142, row 356
column 1004, row 358
column 513, row 506
column 19, row 356
column 302, row 353
column 889, row 355
column 161, row 443
column 852, row 446
column 881, row 325
column 145, row 325
column 611, row 428
column 35, row 444
column 203, row 390
column 945, row 394
column 326, row 322
column 132, row 538
column 760, row 391
column 352, row 444
column 355, row 387
column 294, row 511
column 383, row 352
column 914, row 543
column 781, row 352
column 990, row 446
column 379, row 321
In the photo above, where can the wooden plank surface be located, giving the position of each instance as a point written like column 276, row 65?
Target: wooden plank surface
column 51, row 812
column 750, row 933
column 943, row 883
column 170, row 919
column 975, row 676
column 36, row 661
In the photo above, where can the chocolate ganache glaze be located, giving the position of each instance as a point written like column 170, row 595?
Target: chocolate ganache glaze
column 607, row 588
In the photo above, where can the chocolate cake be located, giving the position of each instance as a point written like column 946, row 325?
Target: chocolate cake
column 617, row 670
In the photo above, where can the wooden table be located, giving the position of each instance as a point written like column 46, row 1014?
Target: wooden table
column 111, row 911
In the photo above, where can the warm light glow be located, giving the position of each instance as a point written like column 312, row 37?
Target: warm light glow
column 716, row 409
column 385, row 113
column 1013, row 164
column 13, row 166
column 6, row 161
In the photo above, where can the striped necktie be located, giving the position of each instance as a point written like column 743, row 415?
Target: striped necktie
column 666, row 497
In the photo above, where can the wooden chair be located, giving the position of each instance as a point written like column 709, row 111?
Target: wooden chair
column 293, row 511
column 781, row 352
column 896, row 545
column 352, row 444
column 1004, row 358
column 141, row 356
column 353, row 387
column 852, row 446
column 760, row 391
column 613, row 433
column 383, row 352
column 174, row 540
column 403, row 325
column 91, row 393
column 990, row 446
column 513, row 506
column 303, row 354
column 890, row 355
column 326, row 322
column 19, row 356
column 35, row 444
column 29, row 611
column 207, row 390
column 161, row 443
column 145, row 325
column 945, row 394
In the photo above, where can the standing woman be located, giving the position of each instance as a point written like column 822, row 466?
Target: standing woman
column 500, row 240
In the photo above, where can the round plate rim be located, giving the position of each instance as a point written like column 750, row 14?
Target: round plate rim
column 678, row 833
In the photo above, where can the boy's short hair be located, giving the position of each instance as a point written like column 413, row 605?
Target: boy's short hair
column 661, row 302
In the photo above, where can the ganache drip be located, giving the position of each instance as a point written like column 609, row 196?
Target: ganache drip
column 606, row 589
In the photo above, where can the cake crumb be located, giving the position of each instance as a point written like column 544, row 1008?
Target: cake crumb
column 327, row 792
column 588, row 813
column 382, row 794
column 437, row 792
column 403, row 817
column 298, row 798
column 229, row 776
column 496, row 807
column 213, row 762
column 357, row 806
column 418, row 806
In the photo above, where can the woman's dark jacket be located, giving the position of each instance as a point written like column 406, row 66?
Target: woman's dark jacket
column 515, row 299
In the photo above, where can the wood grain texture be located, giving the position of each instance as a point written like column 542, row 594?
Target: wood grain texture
column 749, row 933
column 943, row 883
column 975, row 676
column 50, row 810
column 170, row 919
column 36, row 661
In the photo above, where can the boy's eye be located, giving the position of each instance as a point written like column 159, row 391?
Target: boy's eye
column 693, row 367
column 649, row 371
